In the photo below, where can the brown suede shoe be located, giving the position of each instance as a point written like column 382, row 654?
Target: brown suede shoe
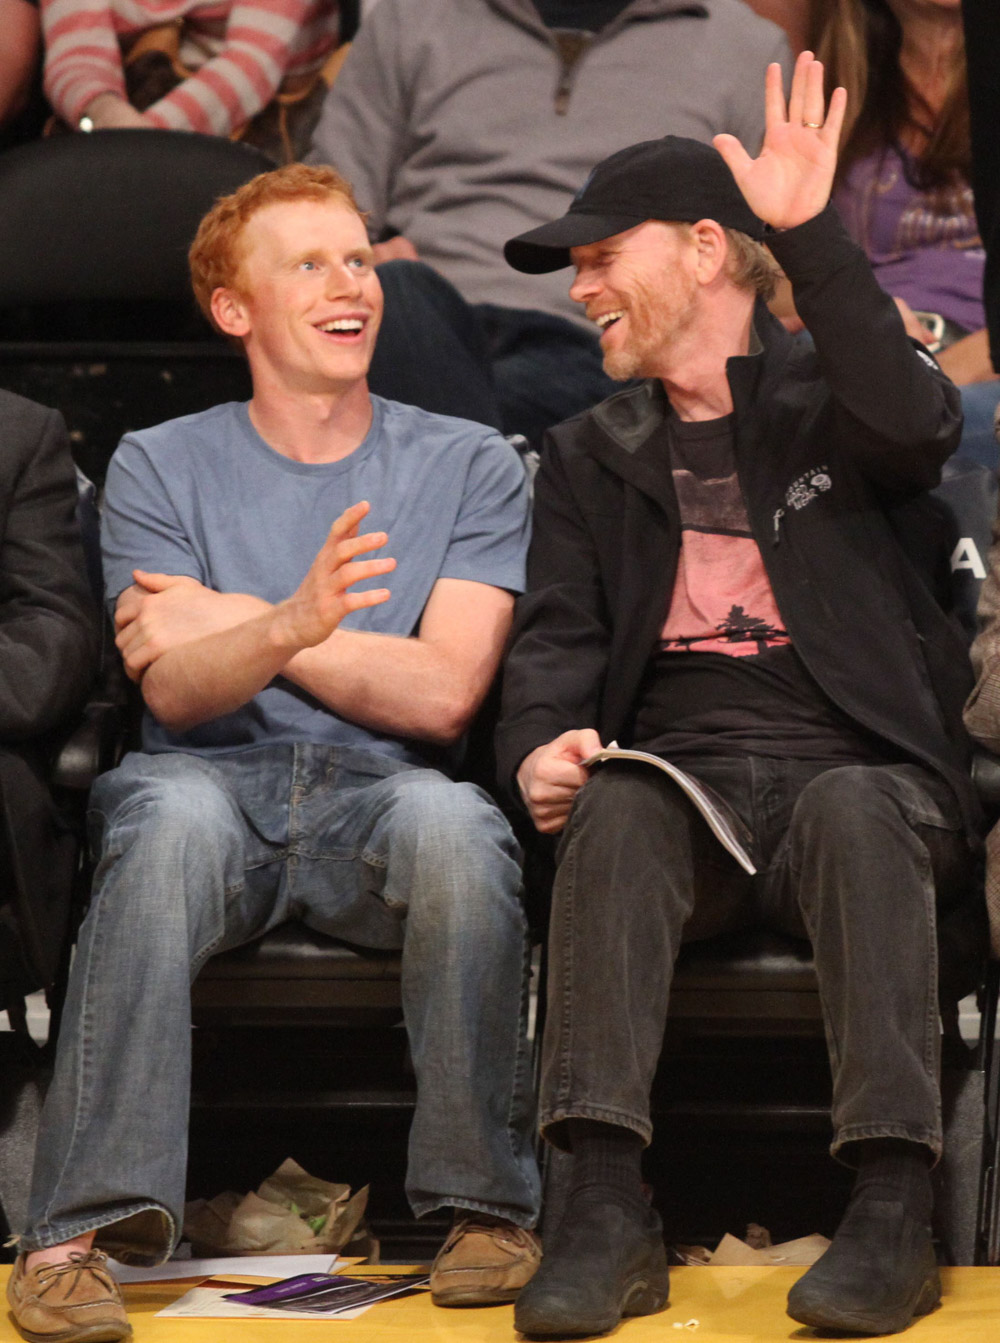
column 74, row 1302
column 485, row 1261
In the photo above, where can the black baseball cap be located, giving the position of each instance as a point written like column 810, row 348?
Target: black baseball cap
column 672, row 179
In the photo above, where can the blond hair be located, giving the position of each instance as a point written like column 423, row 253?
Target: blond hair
column 750, row 265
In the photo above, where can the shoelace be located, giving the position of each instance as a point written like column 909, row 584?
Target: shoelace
column 514, row 1235
column 93, row 1261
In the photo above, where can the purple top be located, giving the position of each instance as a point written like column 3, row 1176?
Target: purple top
column 923, row 248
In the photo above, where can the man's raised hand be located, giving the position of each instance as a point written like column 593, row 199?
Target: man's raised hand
column 321, row 601
column 791, row 179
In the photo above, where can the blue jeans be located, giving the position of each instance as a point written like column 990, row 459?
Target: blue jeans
column 197, row 855
column 860, row 859
column 979, row 444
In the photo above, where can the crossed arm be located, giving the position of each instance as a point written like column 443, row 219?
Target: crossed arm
column 199, row 653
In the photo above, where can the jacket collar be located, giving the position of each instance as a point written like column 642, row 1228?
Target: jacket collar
column 630, row 418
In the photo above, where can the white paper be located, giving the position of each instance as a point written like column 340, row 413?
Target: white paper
column 209, row 1303
column 273, row 1266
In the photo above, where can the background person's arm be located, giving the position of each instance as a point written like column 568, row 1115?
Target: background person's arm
column 19, row 50
column 83, row 60
column 243, row 77
column 968, row 360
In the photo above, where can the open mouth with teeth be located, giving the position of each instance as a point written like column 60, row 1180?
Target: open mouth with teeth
column 606, row 320
column 343, row 328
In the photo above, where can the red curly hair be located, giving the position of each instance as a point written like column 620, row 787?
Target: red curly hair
column 216, row 254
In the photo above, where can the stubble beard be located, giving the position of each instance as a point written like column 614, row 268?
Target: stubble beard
column 657, row 324
column 623, row 365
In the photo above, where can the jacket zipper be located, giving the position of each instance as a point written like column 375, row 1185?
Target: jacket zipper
column 571, row 47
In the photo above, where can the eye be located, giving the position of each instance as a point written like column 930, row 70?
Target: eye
column 358, row 262
column 308, row 265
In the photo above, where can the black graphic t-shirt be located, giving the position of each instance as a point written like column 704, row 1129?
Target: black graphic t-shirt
column 725, row 679
column 722, row 600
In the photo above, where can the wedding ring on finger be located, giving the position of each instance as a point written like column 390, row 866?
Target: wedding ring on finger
column 813, row 125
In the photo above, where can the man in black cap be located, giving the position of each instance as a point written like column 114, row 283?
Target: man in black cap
column 720, row 575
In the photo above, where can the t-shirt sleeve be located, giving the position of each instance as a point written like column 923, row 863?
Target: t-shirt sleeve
column 140, row 525
column 489, row 541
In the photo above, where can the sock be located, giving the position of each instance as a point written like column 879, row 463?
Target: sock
column 895, row 1170
column 607, row 1157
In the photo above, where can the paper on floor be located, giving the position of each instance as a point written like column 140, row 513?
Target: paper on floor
column 275, row 1266
column 209, row 1303
column 802, row 1253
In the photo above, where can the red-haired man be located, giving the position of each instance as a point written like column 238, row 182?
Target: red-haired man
column 289, row 759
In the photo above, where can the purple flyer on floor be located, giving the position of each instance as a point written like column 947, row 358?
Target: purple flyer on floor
column 327, row 1294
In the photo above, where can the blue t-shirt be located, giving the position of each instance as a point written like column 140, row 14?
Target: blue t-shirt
column 206, row 497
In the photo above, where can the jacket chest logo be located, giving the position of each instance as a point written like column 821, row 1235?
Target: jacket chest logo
column 807, row 487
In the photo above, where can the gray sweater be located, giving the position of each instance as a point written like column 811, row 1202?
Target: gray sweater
column 461, row 123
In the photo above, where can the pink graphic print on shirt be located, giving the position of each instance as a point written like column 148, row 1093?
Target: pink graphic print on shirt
column 722, row 600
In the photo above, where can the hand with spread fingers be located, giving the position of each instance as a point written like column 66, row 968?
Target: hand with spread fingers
column 316, row 608
column 791, row 179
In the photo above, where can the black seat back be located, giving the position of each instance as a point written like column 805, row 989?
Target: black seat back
column 96, row 312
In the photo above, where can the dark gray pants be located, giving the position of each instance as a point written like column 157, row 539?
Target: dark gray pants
column 859, row 858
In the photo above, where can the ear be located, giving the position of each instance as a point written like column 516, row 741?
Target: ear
column 230, row 313
column 710, row 243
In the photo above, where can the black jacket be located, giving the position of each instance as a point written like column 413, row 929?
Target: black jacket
column 835, row 450
column 48, row 622
column 49, row 638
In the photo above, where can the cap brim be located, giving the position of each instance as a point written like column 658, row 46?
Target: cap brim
column 546, row 248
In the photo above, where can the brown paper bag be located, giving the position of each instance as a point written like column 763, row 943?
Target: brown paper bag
column 292, row 1212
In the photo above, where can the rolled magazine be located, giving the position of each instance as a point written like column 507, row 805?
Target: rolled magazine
column 728, row 828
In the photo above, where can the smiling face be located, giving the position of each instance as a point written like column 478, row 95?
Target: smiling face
column 307, row 302
column 640, row 288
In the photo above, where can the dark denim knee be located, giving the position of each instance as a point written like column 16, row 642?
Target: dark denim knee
column 846, row 801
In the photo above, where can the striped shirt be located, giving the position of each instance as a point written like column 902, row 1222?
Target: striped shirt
column 241, row 50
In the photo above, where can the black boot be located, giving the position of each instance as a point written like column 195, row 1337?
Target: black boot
column 605, row 1261
column 607, row 1257
column 880, row 1270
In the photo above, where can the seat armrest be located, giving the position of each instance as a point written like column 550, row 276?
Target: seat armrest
column 92, row 747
